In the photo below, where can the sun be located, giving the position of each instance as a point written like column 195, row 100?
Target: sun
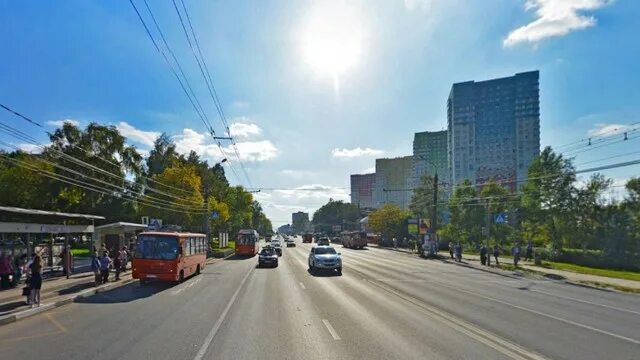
column 331, row 38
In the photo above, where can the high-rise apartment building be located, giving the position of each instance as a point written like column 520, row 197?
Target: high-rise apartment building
column 300, row 221
column 430, row 156
column 393, row 181
column 362, row 188
column 494, row 129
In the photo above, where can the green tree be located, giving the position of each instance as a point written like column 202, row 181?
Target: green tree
column 390, row 221
column 422, row 199
column 334, row 212
column 467, row 214
column 24, row 186
column 497, row 200
column 162, row 155
column 547, row 198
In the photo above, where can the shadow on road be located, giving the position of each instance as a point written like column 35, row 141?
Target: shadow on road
column 124, row 294
column 322, row 273
column 240, row 257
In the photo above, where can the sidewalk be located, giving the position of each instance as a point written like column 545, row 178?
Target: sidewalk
column 595, row 280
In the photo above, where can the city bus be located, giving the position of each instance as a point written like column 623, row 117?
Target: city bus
column 168, row 256
column 247, row 242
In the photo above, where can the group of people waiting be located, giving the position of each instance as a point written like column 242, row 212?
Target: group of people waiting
column 455, row 251
column 102, row 263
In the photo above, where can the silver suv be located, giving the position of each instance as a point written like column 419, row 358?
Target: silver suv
column 325, row 258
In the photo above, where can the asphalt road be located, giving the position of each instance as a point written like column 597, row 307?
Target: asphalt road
column 387, row 305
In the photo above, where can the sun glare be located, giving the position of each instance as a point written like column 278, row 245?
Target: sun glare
column 332, row 39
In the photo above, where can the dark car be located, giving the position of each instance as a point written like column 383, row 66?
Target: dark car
column 290, row 243
column 268, row 257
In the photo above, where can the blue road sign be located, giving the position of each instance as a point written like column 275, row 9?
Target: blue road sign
column 500, row 218
column 215, row 215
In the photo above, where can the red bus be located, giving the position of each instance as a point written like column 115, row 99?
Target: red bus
column 247, row 242
column 168, row 256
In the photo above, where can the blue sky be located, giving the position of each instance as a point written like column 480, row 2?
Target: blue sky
column 297, row 120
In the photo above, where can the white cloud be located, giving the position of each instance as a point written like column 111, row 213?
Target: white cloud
column 30, row 148
column 250, row 151
column 244, row 130
column 60, row 123
column 554, row 18
column 136, row 135
column 607, row 129
column 355, row 152
column 412, row 5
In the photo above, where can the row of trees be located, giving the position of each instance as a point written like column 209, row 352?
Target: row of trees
column 94, row 171
column 552, row 209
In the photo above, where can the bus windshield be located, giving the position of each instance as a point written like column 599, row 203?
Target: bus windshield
column 157, row 247
column 246, row 239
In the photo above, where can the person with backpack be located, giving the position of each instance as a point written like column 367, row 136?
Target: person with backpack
column 105, row 264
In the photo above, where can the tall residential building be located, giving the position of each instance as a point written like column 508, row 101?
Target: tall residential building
column 362, row 188
column 494, row 129
column 300, row 221
column 430, row 156
column 393, row 182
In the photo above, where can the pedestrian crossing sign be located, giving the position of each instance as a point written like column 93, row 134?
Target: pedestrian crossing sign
column 500, row 218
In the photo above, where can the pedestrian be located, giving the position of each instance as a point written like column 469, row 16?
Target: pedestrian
column 95, row 267
column 125, row 258
column 18, row 268
column 451, row 249
column 105, row 263
column 67, row 261
column 483, row 254
column 35, row 283
column 458, row 251
column 528, row 254
column 117, row 263
column 496, row 253
column 6, row 271
column 515, row 251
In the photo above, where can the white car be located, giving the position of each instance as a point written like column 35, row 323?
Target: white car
column 325, row 258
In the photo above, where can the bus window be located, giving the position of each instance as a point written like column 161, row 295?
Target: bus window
column 156, row 247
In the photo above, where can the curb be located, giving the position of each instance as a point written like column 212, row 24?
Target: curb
column 50, row 289
column 11, row 318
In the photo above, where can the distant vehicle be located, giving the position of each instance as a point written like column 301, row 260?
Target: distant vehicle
column 168, row 256
column 307, row 238
column 290, row 243
column 247, row 242
column 277, row 246
column 354, row 239
column 325, row 258
column 323, row 241
column 268, row 256
column 267, row 238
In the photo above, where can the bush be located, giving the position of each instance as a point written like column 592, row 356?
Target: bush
column 592, row 258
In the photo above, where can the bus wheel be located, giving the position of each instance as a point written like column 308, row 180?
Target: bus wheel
column 181, row 277
column 198, row 270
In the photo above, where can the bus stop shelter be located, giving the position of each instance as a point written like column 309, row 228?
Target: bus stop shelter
column 116, row 235
column 20, row 236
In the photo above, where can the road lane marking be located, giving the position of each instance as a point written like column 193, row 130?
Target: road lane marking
column 56, row 323
column 214, row 330
column 332, row 331
column 493, row 341
column 186, row 286
column 302, row 286
column 571, row 322
column 587, row 302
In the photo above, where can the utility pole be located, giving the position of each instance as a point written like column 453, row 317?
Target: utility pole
column 206, row 214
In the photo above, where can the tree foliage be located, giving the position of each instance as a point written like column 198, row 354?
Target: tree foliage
column 389, row 220
column 334, row 212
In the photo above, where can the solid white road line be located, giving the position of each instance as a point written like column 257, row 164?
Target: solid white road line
column 212, row 334
column 587, row 302
column 332, row 331
column 302, row 286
